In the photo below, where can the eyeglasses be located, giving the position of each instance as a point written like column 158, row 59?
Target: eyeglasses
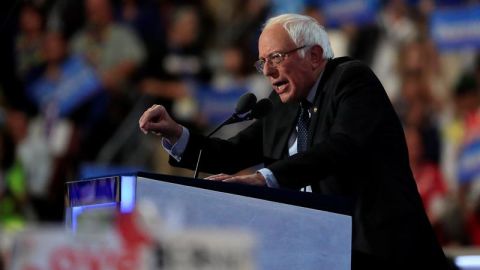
column 274, row 59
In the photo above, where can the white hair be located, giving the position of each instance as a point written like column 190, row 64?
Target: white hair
column 303, row 30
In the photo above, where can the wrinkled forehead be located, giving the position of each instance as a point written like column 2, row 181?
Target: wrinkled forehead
column 273, row 39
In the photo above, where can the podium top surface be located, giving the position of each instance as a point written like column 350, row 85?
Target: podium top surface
column 338, row 205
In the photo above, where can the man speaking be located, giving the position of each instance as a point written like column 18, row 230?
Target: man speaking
column 331, row 127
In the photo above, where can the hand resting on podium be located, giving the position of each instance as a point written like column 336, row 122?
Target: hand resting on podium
column 251, row 179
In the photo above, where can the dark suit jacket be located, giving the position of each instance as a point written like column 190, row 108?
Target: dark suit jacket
column 357, row 149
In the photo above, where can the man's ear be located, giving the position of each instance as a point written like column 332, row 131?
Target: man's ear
column 316, row 56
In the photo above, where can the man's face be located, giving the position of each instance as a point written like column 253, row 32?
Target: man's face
column 293, row 78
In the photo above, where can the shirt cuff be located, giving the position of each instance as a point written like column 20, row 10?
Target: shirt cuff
column 269, row 178
column 176, row 150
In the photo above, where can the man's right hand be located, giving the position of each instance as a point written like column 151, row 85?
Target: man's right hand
column 158, row 121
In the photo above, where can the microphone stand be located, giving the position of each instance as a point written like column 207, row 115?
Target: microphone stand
column 258, row 110
column 233, row 119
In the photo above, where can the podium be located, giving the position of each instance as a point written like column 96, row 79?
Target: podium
column 292, row 230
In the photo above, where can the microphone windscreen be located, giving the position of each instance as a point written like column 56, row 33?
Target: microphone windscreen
column 262, row 108
column 246, row 103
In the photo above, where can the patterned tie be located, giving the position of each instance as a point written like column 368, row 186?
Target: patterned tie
column 302, row 126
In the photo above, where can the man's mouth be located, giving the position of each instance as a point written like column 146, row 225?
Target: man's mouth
column 280, row 86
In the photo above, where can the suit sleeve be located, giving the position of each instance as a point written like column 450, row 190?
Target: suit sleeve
column 363, row 119
column 224, row 156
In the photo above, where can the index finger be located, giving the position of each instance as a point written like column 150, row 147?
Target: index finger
column 218, row 177
column 148, row 115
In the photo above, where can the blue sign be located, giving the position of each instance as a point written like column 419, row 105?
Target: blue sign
column 76, row 83
column 469, row 162
column 216, row 105
column 356, row 12
column 454, row 29
column 286, row 6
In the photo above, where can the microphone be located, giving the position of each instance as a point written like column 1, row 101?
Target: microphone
column 248, row 106
column 245, row 103
column 260, row 109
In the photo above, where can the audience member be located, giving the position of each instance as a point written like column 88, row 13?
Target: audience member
column 112, row 49
column 29, row 41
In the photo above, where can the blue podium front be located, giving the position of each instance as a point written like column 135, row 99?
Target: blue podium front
column 293, row 230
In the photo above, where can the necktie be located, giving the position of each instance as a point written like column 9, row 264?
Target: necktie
column 302, row 126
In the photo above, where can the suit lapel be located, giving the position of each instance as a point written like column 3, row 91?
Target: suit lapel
column 315, row 114
column 280, row 126
column 330, row 67
column 286, row 118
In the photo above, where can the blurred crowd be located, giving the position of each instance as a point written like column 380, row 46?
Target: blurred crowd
column 76, row 75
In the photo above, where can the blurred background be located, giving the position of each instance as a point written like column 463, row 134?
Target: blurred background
column 76, row 75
